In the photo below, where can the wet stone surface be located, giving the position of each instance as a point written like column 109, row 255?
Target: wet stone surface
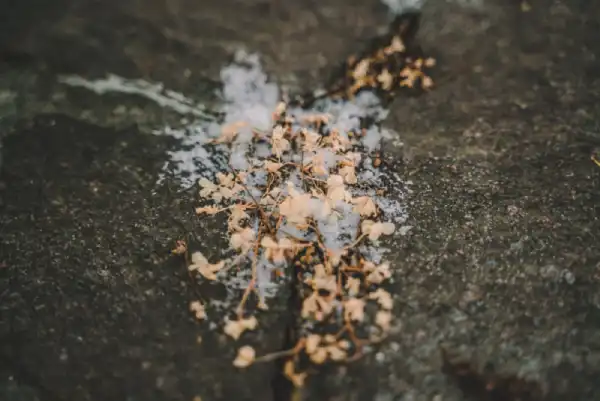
column 501, row 266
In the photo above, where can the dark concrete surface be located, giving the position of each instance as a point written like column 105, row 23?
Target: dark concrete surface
column 502, row 265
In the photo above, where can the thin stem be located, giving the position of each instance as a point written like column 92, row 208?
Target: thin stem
column 260, row 209
column 240, row 308
column 356, row 242
column 275, row 355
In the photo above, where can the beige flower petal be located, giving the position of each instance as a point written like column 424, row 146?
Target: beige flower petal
column 233, row 328
column 365, row 206
column 349, row 174
column 230, row 131
column 243, row 239
column 198, row 258
column 198, row 308
column 245, row 357
column 397, row 46
column 385, row 79
column 383, row 320
column 375, row 230
column 280, row 109
column 319, row 356
column 312, row 342
column 207, row 188
column 354, row 310
column 383, row 298
column 361, row 69
column 353, row 286
column 272, row 167
column 335, row 353
column 211, row 210
column 296, row 378
column 250, row 323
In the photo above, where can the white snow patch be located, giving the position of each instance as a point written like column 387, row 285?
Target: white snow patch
column 152, row 91
column 400, row 6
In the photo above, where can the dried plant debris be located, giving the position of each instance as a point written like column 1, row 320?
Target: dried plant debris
column 296, row 209
column 488, row 385
column 283, row 212
column 390, row 63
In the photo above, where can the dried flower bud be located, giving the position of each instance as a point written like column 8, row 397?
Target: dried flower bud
column 245, row 357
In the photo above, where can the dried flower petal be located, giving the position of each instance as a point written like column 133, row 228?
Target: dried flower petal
column 335, row 189
column 198, row 308
column 327, row 283
column 409, row 77
column 429, row 62
column 235, row 328
column 238, row 213
column 335, row 353
column 316, row 306
column 318, row 166
column 316, row 119
column 296, row 378
column 397, row 46
column 272, row 167
column 276, row 251
column 207, row 187
column 349, row 174
column 361, row 69
column 230, row 131
column 377, row 274
column 201, row 265
column 353, row 286
column 329, row 338
column 365, row 206
column 311, row 141
column 385, row 79
column 426, row 82
column 312, row 342
column 354, row 310
column 296, row 207
column 226, row 180
column 383, row 298
column 319, row 356
column 375, row 229
column 208, row 210
column 383, row 320
column 243, row 239
column 245, row 357
column 250, row 323
column 278, row 143
column 279, row 110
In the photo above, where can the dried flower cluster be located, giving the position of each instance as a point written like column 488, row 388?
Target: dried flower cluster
column 387, row 69
column 391, row 63
column 302, row 179
column 276, row 210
